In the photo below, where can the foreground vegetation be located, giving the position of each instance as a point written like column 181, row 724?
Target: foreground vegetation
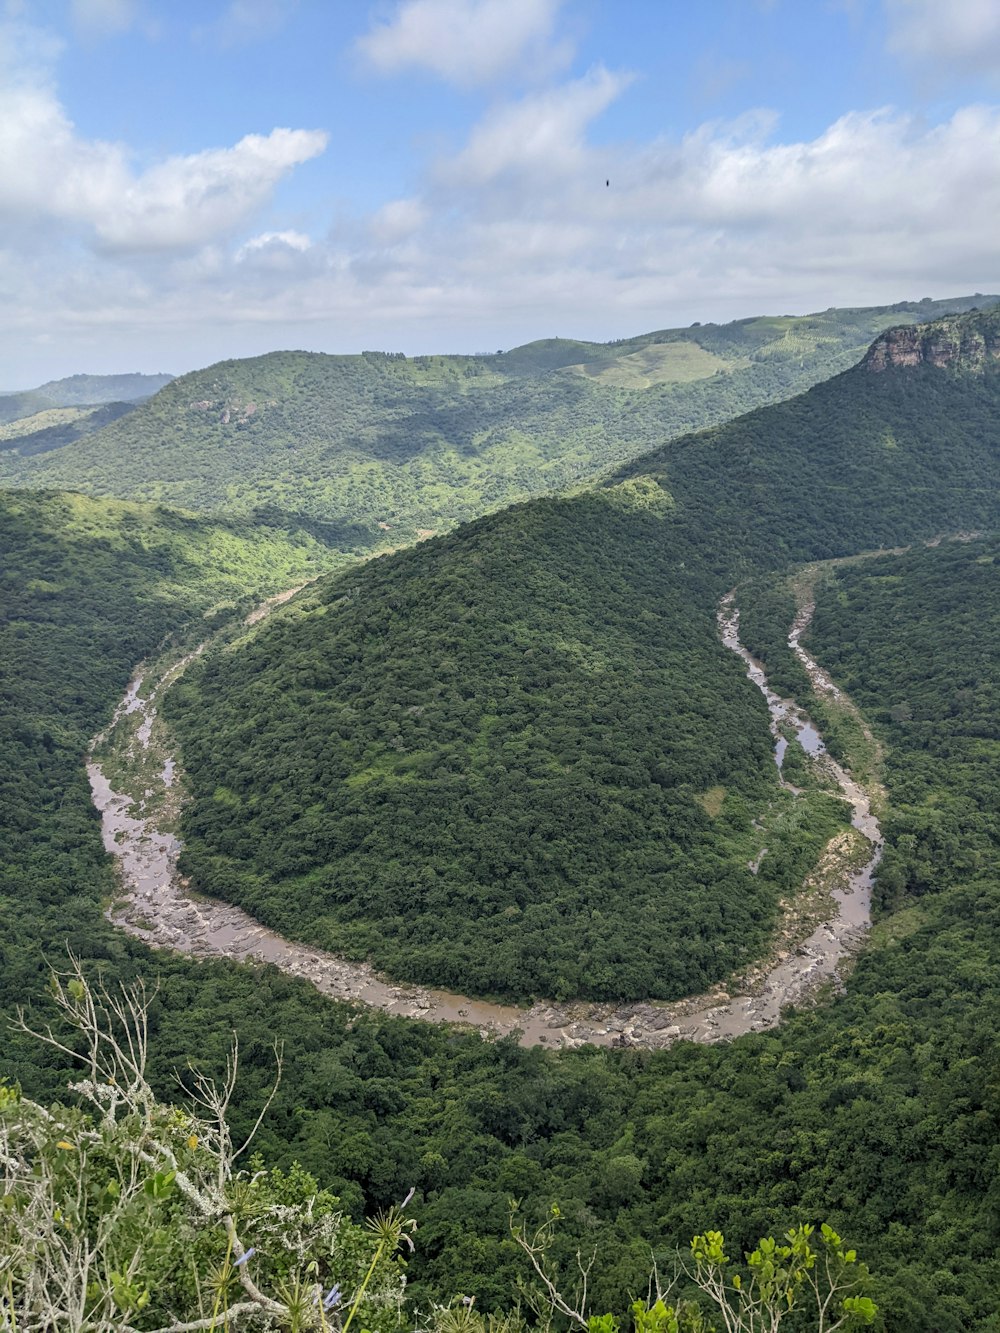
column 123, row 1213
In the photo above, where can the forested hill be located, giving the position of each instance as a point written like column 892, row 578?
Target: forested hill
column 61, row 411
column 80, row 391
column 373, row 450
column 468, row 759
column 864, row 460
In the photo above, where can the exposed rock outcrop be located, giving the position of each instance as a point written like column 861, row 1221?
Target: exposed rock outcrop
column 964, row 342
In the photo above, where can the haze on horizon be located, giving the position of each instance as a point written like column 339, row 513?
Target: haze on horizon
column 189, row 182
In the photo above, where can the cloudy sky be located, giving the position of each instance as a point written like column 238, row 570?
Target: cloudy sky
column 187, row 180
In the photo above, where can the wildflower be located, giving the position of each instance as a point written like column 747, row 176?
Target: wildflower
column 192, row 1141
column 66, row 1147
column 468, row 1300
column 332, row 1297
column 413, row 1190
column 237, row 1263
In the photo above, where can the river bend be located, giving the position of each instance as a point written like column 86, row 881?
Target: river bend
column 158, row 906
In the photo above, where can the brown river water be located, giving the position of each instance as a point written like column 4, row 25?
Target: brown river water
column 158, row 906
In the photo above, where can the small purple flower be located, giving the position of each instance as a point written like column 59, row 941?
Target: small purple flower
column 238, row 1263
column 467, row 1300
column 332, row 1297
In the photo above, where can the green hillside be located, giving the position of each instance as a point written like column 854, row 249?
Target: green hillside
column 484, row 762
column 374, row 450
column 465, row 761
column 55, row 427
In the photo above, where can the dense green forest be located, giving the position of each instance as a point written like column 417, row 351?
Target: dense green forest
column 484, row 763
column 373, row 450
column 943, row 714
column 878, row 1109
column 464, row 761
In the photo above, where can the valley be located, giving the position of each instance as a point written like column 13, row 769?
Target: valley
column 158, row 907
column 544, row 703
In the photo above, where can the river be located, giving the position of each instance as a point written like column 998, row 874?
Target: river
column 159, row 907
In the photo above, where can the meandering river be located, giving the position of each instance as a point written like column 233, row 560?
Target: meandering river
column 158, row 906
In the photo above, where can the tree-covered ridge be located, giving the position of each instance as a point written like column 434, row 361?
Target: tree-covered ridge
column 92, row 390
column 375, row 449
column 774, row 338
column 942, row 712
column 478, row 763
column 859, row 462
column 484, row 763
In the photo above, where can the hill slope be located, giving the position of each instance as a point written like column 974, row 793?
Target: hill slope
column 61, row 411
column 87, row 588
column 80, row 391
column 376, row 449
column 482, row 760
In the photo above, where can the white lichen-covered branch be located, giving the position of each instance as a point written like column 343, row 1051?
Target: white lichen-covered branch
column 126, row 1213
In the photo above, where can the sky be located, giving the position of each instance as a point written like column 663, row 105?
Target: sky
column 185, row 181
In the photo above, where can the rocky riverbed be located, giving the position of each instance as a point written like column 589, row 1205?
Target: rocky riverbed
column 160, row 907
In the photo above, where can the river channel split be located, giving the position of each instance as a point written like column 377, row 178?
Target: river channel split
column 158, row 906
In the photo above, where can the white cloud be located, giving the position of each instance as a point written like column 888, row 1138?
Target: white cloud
column 277, row 251
column 50, row 174
column 398, row 220
column 467, row 42
column 290, row 240
column 957, row 37
column 185, row 200
column 543, row 132
column 102, row 17
column 247, row 21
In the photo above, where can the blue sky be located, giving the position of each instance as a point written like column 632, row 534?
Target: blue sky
column 191, row 180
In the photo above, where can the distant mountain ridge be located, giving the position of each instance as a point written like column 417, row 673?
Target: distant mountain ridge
column 34, row 421
column 374, row 450
column 80, row 391
column 90, row 390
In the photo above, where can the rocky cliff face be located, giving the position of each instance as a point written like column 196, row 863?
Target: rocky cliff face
column 965, row 342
